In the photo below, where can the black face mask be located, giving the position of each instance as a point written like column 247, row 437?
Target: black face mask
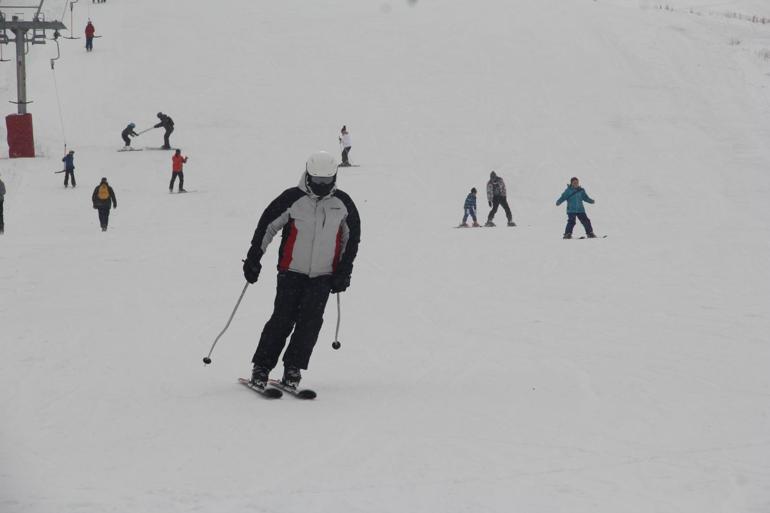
column 320, row 185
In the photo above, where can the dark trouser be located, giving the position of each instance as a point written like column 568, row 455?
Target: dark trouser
column 500, row 201
column 345, row 152
column 69, row 173
column 173, row 179
column 470, row 212
column 89, row 44
column 583, row 220
column 126, row 140
column 166, row 135
column 2, row 221
column 104, row 217
column 300, row 302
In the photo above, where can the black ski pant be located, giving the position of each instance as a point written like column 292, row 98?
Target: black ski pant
column 69, row 173
column 300, row 302
column 2, row 221
column 104, row 217
column 166, row 135
column 126, row 140
column 345, row 152
column 173, row 179
column 583, row 220
column 498, row 201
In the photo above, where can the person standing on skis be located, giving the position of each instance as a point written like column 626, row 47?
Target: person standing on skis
column 177, row 165
column 496, row 196
column 320, row 232
column 2, row 198
column 126, row 133
column 168, row 125
column 346, row 144
column 470, row 209
column 69, row 168
column 575, row 195
column 90, row 31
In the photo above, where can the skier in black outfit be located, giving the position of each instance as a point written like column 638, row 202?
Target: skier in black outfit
column 320, row 232
column 496, row 196
column 128, row 131
column 168, row 124
column 103, row 199
column 69, row 168
column 2, row 198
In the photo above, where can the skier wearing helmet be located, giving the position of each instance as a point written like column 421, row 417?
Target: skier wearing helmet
column 320, row 231
column 126, row 133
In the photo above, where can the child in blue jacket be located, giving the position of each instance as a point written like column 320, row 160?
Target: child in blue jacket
column 575, row 195
column 470, row 209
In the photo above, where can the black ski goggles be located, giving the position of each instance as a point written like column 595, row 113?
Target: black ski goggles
column 321, row 180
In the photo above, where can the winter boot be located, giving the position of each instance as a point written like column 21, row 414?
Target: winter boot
column 489, row 224
column 567, row 236
column 291, row 376
column 511, row 223
column 259, row 376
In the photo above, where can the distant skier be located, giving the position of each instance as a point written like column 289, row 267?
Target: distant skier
column 346, row 143
column 69, row 168
column 2, row 198
column 103, row 199
column 470, row 209
column 90, row 31
column 496, row 196
column 320, row 232
column 126, row 133
column 575, row 195
column 177, row 165
column 168, row 125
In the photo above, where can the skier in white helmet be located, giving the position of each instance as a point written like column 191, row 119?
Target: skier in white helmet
column 320, row 231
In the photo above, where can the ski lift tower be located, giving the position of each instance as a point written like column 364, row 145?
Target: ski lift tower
column 21, row 142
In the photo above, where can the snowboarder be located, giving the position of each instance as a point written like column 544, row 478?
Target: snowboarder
column 470, row 209
column 177, row 165
column 168, row 125
column 346, row 144
column 103, row 199
column 496, row 196
column 2, row 198
column 69, row 168
column 90, row 30
column 575, row 195
column 320, row 232
column 126, row 133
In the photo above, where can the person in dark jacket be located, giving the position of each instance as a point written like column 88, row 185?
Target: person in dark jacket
column 69, row 168
column 127, row 133
column 575, row 195
column 90, row 31
column 320, row 232
column 497, row 196
column 2, row 198
column 470, row 209
column 168, row 125
column 103, row 199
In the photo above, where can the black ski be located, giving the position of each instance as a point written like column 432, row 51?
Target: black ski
column 130, row 149
column 349, row 165
column 597, row 237
column 268, row 393
column 299, row 393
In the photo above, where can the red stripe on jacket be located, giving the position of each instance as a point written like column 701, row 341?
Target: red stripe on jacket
column 288, row 249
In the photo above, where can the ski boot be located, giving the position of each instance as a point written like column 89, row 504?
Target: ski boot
column 489, row 224
column 475, row 224
column 463, row 225
column 590, row 235
column 511, row 223
column 567, row 236
column 182, row 190
column 291, row 377
column 259, row 376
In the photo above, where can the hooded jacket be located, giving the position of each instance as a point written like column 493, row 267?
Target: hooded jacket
column 574, row 199
column 319, row 236
column 495, row 187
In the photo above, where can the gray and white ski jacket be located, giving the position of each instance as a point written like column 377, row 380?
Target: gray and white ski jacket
column 319, row 236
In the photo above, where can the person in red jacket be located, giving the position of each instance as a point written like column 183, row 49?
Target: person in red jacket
column 90, row 30
column 177, row 165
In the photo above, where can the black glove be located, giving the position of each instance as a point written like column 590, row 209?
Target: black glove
column 251, row 270
column 340, row 283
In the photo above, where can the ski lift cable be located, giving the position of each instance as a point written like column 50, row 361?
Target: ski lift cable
column 58, row 103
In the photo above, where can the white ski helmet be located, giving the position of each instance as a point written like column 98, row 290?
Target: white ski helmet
column 321, row 164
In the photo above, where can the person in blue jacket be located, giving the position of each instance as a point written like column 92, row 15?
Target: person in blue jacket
column 69, row 168
column 575, row 195
column 470, row 209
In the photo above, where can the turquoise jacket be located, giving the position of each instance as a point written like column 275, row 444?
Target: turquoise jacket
column 574, row 199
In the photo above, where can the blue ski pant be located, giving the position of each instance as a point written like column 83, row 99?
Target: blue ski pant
column 470, row 212
column 583, row 220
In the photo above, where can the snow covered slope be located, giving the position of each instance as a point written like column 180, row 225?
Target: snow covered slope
column 489, row 370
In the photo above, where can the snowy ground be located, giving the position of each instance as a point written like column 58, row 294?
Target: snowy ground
column 481, row 370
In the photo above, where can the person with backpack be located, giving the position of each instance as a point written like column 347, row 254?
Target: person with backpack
column 2, row 198
column 168, row 125
column 496, row 196
column 470, row 209
column 69, row 168
column 126, row 133
column 575, row 195
column 320, row 231
column 90, row 31
column 346, row 144
column 177, row 165
column 103, row 200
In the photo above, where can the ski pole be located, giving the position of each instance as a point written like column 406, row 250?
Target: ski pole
column 145, row 130
column 207, row 359
column 336, row 344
